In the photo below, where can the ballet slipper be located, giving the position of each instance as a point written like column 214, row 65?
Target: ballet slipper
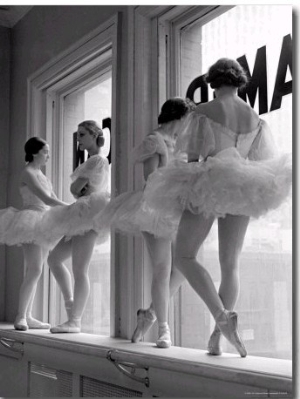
column 67, row 327
column 145, row 320
column 20, row 324
column 37, row 324
column 164, row 337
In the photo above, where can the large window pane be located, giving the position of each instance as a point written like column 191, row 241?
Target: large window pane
column 265, row 301
column 92, row 101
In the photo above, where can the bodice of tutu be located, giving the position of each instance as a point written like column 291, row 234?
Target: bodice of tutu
column 95, row 169
column 205, row 137
column 30, row 200
column 154, row 143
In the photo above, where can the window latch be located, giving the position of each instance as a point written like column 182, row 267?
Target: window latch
column 128, row 368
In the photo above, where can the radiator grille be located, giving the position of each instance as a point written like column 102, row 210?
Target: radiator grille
column 47, row 382
column 95, row 388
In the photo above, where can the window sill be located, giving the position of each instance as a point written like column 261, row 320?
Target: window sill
column 272, row 374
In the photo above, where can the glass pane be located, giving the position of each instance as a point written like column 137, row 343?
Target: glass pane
column 92, row 101
column 265, row 301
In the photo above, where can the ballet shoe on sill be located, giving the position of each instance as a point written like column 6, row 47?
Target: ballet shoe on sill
column 66, row 327
column 145, row 320
column 227, row 323
column 37, row 324
column 213, row 346
column 21, row 324
column 164, row 337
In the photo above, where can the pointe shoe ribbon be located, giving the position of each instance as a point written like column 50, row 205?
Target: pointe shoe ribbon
column 228, row 327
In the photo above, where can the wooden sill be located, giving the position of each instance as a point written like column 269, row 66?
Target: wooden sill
column 260, row 372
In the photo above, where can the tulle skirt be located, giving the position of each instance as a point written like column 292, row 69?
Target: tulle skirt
column 129, row 214
column 224, row 184
column 76, row 219
column 19, row 227
column 45, row 227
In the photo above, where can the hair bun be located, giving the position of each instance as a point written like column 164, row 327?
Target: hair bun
column 173, row 109
column 226, row 72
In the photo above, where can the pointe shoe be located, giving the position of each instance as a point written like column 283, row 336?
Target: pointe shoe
column 145, row 319
column 67, row 327
column 228, row 327
column 213, row 346
column 21, row 324
column 164, row 337
column 37, row 324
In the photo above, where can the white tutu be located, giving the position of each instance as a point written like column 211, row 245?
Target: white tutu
column 75, row 219
column 78, row 218
column 223, row 184
column 19, row 227
column 129, row 214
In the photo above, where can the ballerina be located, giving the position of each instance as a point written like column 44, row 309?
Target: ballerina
column 89, row 186
column 23, row 227
column 128, row 214
column 239, row 176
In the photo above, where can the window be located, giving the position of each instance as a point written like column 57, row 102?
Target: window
column 89, row 101
column 78, row 84
column 260, row 37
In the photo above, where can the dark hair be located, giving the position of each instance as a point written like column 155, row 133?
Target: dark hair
column 32, row 147
column 226, row 72
column 93, row 128
column 172, row 109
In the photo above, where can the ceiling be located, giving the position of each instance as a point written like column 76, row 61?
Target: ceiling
column 10, row 15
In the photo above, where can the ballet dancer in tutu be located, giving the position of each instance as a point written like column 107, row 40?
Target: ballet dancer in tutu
column 23, row 227
column 233, row 173
column 89, row 186
column 127, row 213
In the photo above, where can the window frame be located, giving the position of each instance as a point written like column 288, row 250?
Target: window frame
column 95, row 71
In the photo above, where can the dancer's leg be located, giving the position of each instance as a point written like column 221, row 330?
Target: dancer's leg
column 176, row 279
column 147, row 317
column 160, row 255
column 192, row 231
column 57, row 256
column 159, row 250
column 232, row 231
column 33, row 261
column 31, row 321
column 82, row 251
